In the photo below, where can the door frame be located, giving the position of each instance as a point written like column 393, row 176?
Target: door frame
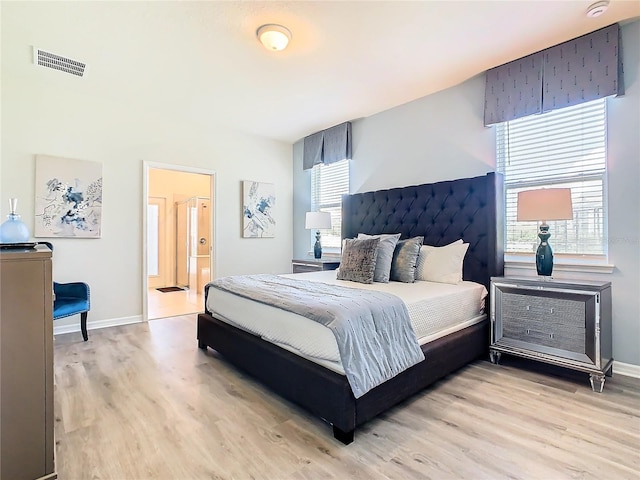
column 213, row 226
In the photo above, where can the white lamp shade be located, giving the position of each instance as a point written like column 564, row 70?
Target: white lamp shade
column 545, row 204
column 317, row 220
column 274, row 37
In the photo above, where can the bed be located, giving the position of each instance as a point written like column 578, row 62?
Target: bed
column 470, row 209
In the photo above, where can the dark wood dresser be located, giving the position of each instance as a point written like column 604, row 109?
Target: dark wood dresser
column 26, row 365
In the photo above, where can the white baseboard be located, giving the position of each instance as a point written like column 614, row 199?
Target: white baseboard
column 626, row 369
column 111, row 322
column 619, row 368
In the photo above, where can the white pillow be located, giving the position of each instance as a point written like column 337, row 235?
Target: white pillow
column 425, row 253
column 441, row 264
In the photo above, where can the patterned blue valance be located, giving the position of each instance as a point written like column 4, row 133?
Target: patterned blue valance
column 583, row 69
column 327, row 146
column 514, row 90
column 312, row 153
column 573, row 72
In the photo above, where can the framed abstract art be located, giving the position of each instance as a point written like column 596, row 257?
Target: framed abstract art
column 258, row 203
column 68, row 199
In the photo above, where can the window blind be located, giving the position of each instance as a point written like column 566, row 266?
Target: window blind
column 328, row 183
column 564, row 148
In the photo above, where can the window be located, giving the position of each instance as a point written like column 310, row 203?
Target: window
column 328, row 183
column 564, row 148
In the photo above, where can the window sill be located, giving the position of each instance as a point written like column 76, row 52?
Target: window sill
column 528, row 262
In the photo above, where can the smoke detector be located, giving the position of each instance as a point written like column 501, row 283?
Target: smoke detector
column 597, row 9
column 64, row 64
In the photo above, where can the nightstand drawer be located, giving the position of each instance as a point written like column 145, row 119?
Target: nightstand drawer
column 305, row 267
column 558, row 336
column 520, row 307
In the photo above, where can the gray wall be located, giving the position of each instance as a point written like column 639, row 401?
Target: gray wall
column 301, row 203
column 438, row 137
column 442, row 137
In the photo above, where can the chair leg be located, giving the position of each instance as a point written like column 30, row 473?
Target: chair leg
column 83, row 325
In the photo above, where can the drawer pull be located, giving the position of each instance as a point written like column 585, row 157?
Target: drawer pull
column 551, row 335
column 528, row 307
column 528, row 331
column 551, row 310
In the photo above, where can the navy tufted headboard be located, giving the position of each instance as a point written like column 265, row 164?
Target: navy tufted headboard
column 468, row 208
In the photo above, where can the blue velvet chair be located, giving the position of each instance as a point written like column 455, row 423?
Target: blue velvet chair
column 71, row 299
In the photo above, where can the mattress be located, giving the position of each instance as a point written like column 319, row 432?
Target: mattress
column 435, row 310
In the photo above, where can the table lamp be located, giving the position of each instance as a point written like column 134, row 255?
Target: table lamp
column 541, row 205
column 317, row 220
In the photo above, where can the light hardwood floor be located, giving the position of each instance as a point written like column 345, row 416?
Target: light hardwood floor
column 172, row 304
column 143, row 402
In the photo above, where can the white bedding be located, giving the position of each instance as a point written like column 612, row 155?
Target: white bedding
column 435, row 310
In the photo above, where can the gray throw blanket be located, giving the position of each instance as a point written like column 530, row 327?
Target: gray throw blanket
column 374, row 335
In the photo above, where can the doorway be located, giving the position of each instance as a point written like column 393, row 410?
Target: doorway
column 179, row 242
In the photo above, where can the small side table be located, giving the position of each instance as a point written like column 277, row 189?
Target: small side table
column 565, row 323
column 314, row 264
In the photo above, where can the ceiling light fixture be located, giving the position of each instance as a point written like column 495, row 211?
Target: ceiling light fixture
column 274, row 37
column 597, row 9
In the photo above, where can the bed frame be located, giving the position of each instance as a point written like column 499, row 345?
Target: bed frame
column 469, row 208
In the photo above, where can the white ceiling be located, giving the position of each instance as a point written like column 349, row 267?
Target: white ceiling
column 201, row 61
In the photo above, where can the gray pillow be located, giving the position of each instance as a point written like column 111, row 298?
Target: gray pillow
column 385, row 254
column 405, row 258
column 358, row 260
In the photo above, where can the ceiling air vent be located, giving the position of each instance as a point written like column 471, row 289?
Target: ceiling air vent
column 58, row 62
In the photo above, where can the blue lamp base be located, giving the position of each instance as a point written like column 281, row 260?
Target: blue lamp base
column 544, row 254
column 317, row 248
